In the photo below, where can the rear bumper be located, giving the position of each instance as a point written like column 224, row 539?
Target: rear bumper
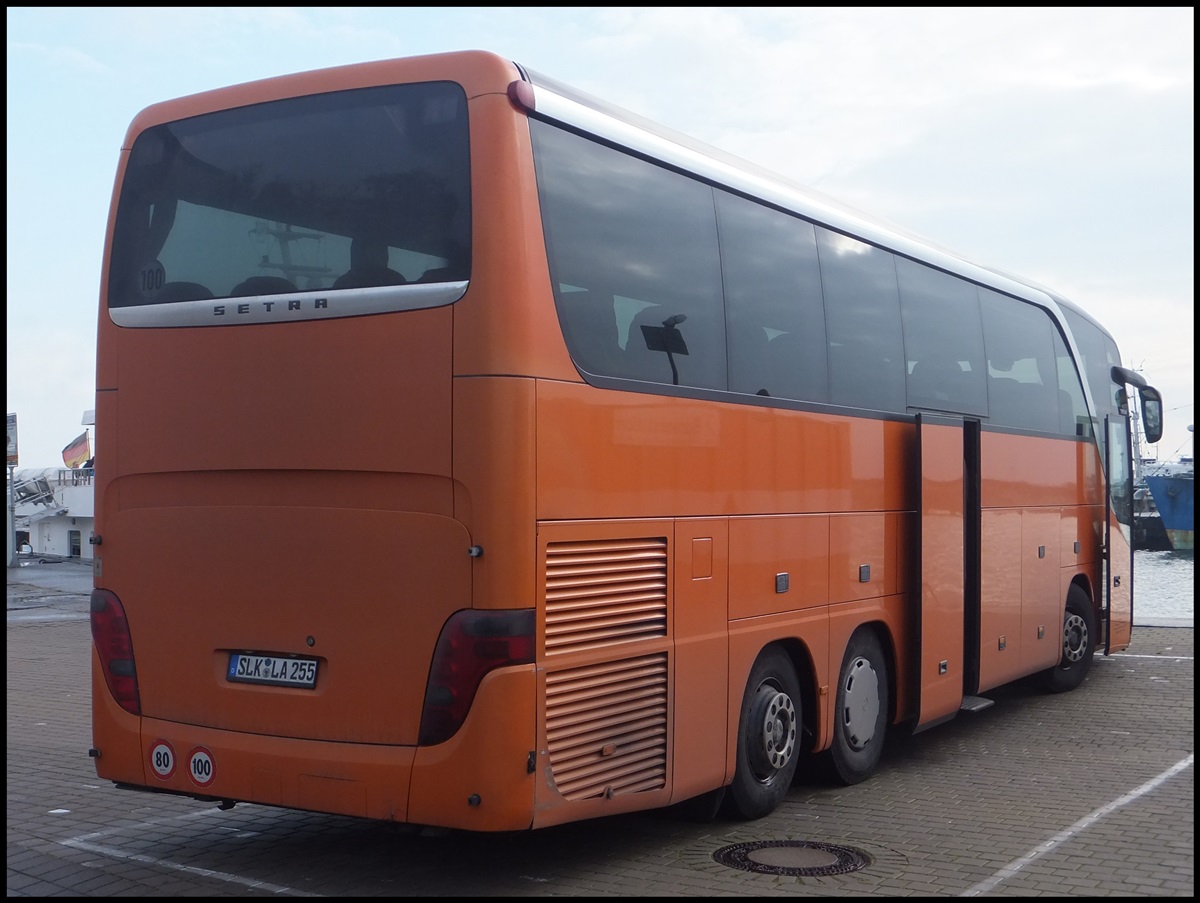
column 477, row 780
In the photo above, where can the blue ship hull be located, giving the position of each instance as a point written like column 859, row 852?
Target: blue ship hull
column 1175, row 498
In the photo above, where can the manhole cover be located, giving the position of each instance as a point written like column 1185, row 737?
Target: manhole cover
column 792, row 857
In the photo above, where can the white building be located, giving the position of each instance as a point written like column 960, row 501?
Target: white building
column 53, row 511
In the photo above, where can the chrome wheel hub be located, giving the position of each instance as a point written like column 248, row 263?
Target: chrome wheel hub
column 778, row 731
column 1075, row 638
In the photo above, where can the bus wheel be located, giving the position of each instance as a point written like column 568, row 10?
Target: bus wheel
column 768, row 743
column 1079, row 644
column 860, row 719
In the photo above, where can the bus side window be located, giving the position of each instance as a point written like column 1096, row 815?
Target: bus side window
column 1072, row 409
column 862, row 316
column 748, row 368
column 943, row 340
column 936, row 382
column 790, row 368
column 643, row 361
column 590, row 324
column 1020, row 395
column 1022, row 379
column 775, row 316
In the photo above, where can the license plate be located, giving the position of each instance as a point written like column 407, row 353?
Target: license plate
column 275, row 670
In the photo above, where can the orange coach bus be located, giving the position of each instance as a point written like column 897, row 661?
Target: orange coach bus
column 474, row 454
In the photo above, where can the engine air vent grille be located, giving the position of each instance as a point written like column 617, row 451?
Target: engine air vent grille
column 606, row 727
column 603, row 592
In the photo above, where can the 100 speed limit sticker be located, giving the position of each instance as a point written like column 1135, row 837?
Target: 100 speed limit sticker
column 201, row 767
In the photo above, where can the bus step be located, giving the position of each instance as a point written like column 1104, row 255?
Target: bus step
column 975, row 704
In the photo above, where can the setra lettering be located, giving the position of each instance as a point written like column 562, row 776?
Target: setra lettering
column 269, row 307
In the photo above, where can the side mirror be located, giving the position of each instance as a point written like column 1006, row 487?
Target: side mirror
column 1152, row 412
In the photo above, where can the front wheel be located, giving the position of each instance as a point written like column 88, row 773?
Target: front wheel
column 861, row 717
column 1079, row 644
column 768, row 744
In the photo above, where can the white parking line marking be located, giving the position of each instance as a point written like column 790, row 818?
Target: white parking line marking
column 1062, row 836
column 84, row 842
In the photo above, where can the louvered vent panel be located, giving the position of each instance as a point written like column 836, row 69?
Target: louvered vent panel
column 606, row 726
column 603, row 592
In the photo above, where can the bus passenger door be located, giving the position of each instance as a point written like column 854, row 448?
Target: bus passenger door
column 1118, row 537
column 947, row 657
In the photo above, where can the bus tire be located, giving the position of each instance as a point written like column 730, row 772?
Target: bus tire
column 768, row 741
column 1078, row 645
column 861, row 715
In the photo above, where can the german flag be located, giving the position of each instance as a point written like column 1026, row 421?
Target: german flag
column 78, row 451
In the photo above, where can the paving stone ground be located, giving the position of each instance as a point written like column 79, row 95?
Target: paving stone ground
column 1090, row 793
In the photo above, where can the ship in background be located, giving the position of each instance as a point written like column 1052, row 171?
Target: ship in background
column 1171, row 488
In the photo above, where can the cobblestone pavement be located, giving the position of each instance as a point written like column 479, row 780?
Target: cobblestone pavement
column 1090, row 793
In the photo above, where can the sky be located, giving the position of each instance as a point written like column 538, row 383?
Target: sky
column 1055, row 144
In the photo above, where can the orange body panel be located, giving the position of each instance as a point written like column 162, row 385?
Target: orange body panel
column 1121, row 583
column 1000, row 619
column 701, row 632
column 363, row 780
column 761, row 549
column 1032, row 519
column 942, row 599
column 858, row 541
column 498, row 332
column 494, row 462
column 115, row 733
column 619, row 454
column 1042, row 602
column 479, row 779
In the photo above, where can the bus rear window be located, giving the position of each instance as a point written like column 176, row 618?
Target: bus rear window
column 349, row 189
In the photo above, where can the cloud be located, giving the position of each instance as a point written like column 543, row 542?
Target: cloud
column 1053, row 142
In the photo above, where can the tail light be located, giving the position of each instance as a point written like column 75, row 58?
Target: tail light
column 114, row 645
column 472, row 644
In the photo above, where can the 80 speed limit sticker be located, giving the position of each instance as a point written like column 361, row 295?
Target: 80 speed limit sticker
column 201, row 767
column 162, row 759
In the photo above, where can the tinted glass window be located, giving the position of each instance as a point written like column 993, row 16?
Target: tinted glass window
column 1099, row 357
column 775, row 318
column 1022, row 374
column 943, row 340
column 1072, row 409
column 633, row 259
column 367, row 186
column 862, row 314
